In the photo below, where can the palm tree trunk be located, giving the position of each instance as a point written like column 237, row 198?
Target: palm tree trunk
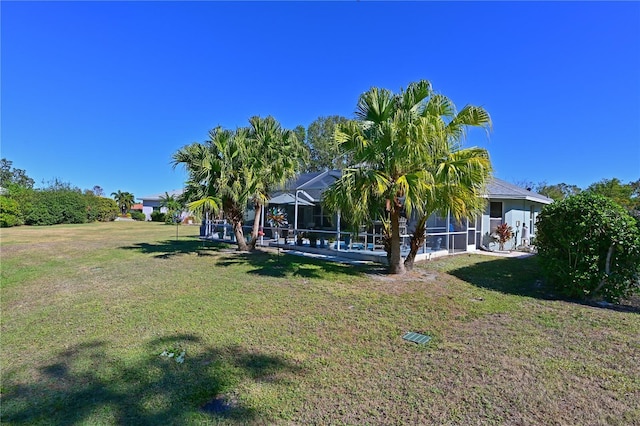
column 396, row 265
column 417, row 240
column 256, row 227
column 237, row 230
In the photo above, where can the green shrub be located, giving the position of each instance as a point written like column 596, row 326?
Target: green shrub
column 136, row 215
column 158, row 217
column 53, row 206
column 9, row 212
column 171, row 219
column 23, row 196
column 589, row 247
column 101, row 209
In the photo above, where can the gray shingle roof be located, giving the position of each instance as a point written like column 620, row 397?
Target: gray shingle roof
column 156, row 197
column 498, row 188
column 315, row 183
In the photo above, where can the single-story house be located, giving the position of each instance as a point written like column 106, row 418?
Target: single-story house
column 506, row 203
column 516, row 206
column 152, row 203
column 301, row 200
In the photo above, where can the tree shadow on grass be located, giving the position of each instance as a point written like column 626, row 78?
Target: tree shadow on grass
column 285, row 265
column 523, row 277
column 89, row 384
column 170, row 248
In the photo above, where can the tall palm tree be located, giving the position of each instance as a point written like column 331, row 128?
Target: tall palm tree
column 459, row 175
column 235, row 168
column 405, row 148
column 124, row 200
column 216, row 170
column 275, row 155
column 459, row 181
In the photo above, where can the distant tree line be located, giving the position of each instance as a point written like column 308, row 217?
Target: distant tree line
column 626, row 195
column 58, row 202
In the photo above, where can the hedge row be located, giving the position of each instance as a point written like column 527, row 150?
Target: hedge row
column 53, row 206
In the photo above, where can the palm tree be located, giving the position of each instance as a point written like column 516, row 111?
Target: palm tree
column 200, row 162
column 217, row 173
column 459, row 181
column 124, row 200
column 274, row 155
column 405, row 147
column 172, row 204
column 235, row 168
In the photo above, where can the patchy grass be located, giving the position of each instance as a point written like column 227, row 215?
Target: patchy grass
column 88, row 309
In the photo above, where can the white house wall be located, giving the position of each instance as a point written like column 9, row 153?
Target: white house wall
column 149, row 206
column 513, row 211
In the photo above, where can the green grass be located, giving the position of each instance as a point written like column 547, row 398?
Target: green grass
column 87, row 310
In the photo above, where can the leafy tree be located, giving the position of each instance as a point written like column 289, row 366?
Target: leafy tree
column 10, row 214
column 589, row 247
column 98, row 191
column 406, row 150
column 23, row 196
column 10, row 175
column 301, row 135
column 627, row 195
column 325, row 152
column 557, row 192
column 124, row 200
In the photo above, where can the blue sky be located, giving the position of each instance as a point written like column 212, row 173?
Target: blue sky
column 102, row 93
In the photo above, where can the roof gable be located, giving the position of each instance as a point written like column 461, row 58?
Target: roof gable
column 498, row 188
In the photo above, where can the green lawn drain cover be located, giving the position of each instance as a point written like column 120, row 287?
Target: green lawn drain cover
column 418, row 338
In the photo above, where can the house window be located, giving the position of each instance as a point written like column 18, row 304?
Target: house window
column 532, row 221
column 495, row 216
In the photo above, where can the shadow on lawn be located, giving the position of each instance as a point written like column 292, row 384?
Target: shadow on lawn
column 88, row 384
column 286, row 265
column 520, row 276
column 169, row 248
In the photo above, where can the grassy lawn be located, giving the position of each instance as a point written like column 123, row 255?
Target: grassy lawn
column 88, row 309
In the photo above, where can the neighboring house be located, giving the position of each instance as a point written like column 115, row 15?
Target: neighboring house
column 506, row 203
column 152, row 203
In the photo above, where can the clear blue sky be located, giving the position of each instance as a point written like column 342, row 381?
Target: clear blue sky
column 102, row 93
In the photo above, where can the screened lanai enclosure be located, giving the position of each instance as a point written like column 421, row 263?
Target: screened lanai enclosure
column 310, row 227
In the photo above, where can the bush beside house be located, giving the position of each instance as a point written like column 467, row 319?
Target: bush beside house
column 589, row 247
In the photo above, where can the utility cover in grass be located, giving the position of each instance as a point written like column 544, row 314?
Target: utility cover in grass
column 418, row 338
